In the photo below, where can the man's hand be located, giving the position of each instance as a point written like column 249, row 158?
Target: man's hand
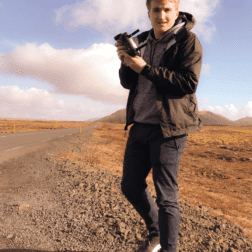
column 121, row 50
column 135, row 63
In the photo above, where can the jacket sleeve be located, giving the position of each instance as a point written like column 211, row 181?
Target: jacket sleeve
column 127, row 76
column 182, row 78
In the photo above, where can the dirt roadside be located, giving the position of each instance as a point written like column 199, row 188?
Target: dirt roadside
column 26, row 184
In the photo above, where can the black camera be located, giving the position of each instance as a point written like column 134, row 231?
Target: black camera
column 128, row 42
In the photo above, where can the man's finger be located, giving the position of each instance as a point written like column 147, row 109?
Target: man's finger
column 118, row 44
column 120, row 54
column 121, row 58
column 121, row 48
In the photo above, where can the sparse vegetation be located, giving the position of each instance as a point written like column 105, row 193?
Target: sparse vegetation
column 8, row 126
column 215, row 171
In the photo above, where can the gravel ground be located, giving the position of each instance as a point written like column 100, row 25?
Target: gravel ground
column 57, row 205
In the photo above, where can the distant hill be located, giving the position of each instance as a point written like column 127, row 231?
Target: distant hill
column 117, row 117
column 208, row 119
column 92, row 119
column 211, row 119
column 246, row 121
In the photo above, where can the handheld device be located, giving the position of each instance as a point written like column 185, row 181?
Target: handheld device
column 128, row 42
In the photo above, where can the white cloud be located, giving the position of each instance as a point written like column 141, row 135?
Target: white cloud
column 202, row 10
column 104, row 15
column 31, row 97
column 36, row 103
column 231, row 112
column 92, row 72
column 112, row 16
column 29, row 103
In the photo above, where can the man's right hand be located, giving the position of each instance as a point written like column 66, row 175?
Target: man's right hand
column 121, row 50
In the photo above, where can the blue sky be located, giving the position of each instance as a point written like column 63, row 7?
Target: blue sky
column 58, row 59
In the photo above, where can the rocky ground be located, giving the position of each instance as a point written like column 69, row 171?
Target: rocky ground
column 56, row 205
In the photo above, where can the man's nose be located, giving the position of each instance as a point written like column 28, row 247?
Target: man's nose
column 161, row 15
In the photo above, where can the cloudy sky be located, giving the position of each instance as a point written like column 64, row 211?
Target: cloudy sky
column 58, row 59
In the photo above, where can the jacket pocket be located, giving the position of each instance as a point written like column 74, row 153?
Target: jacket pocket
column 189, row 106
column 192, row 107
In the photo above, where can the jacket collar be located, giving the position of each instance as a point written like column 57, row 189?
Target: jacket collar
column 168, row 35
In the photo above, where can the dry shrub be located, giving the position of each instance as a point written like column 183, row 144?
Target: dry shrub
column 89, row 158
column 210, row 174
column 7, row 126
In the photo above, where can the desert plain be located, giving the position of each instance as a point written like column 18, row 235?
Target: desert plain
column 12, row 126
column 215, row 170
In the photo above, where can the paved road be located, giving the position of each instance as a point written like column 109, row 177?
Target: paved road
column 19, row 144
column 10, row 142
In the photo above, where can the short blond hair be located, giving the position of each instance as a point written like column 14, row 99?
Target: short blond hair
column 148, row 3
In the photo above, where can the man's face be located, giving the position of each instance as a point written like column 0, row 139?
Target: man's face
column 162, row 14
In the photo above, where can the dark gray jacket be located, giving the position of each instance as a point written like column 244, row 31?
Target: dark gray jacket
column 176, row 80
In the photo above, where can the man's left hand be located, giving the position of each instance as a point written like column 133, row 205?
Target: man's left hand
column 136, row 63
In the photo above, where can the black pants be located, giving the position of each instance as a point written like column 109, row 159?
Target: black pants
column 147, row 148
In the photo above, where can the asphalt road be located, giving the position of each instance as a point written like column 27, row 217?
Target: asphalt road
column 13, row 145
column 10, row 141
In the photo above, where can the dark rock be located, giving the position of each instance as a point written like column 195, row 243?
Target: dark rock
column 83, row 213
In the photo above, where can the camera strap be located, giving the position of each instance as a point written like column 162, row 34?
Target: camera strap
column 143, row 44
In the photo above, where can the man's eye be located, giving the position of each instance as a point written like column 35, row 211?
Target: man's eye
column 167, row 10
column 156, row 10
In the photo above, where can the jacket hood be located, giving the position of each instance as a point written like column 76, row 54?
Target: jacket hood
column 187, row 18
column 184, row 19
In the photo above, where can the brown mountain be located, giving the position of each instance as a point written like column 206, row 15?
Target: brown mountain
column 117, row 117
column 246, row 121
column 211, row 119
column 208, row 118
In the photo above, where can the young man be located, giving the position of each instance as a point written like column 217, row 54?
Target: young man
column 163, row 109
